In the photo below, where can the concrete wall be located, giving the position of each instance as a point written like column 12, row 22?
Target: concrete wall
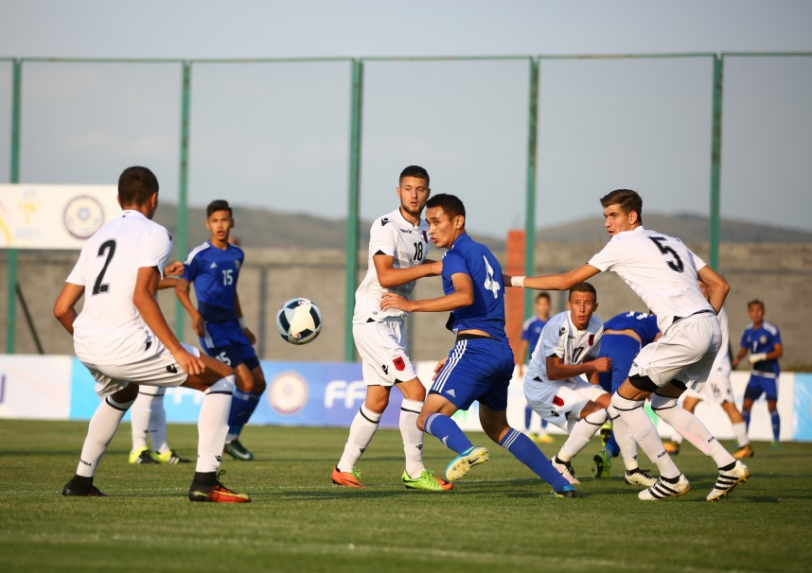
column 780, row 274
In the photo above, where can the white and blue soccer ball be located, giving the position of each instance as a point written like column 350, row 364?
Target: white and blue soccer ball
column 299, row 321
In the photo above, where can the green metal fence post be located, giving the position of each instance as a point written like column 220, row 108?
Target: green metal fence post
column 530, row 199
column 716, row 161
column 11, row 296
column 183, row 185
column 352, row 206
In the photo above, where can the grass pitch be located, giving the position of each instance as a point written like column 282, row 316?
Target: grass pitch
column 499, row 518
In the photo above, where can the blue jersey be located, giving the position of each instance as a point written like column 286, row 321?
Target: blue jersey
column 531, row 332
column 487, row 313
column 214, row 273
column 643, row 324
column 762, row 339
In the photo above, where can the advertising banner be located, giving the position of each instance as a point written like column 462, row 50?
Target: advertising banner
column 35, row 387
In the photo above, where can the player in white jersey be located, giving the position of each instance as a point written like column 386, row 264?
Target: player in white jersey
column 122, row 337
column 717, row 390
column 663, row 272
column 398, row 249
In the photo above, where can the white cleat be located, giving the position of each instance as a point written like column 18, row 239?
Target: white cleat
column 663, row 489
column 726, row 481
column 565, row 469
column 639, row 477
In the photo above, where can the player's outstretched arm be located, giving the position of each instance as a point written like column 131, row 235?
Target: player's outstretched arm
column 718, row 286
column 389, row 276
column 463, row 295
column 561, row 281
column 146, row 285
column 557, row 370
column 182, row 287
column 65, row 305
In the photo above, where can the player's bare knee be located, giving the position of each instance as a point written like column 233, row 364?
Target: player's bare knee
column 413, row 390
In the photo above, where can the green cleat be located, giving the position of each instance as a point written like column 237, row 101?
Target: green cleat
column 142, row 456
column 237, row 451
column 606, row 433
column 425, row 481
column 171, row 458
column 603, row 464
column 460, row 465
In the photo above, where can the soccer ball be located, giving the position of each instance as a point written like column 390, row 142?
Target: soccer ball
column 299, row 321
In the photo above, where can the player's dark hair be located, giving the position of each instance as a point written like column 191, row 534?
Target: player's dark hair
column 415, row 171
column 218, row 205
column 136, row 185
column 627, row 199
column 450, row 204
column 756, row 301
column 543, row 295
column 583, row 287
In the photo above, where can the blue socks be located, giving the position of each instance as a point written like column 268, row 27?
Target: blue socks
column 776, row 420
column 447, row 431
column 746, row 416
column 528, row 414
column 524, row 450
column 242, row 406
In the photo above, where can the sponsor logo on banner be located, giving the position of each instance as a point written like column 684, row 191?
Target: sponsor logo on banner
column 346, row 393
column 84, row 215
column 287, row 393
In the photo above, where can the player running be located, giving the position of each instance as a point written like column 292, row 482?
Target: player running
column 122, row 337
column 398, row 251
column 214, row 268
column 481, row 364
column 762, row 340
column 664, row 273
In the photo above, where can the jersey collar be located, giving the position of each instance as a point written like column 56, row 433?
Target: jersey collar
column 401, row 221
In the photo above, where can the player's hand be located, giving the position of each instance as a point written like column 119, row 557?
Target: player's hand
column 250, row 336
column 392, row 300
column 734, row 363
column 190, row 363
column 438, row 367
column 602, row 364
column 753, row 358
column 175, row 269
column 197, row 324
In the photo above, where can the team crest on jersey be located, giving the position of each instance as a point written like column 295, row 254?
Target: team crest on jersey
column 237, row 265
column 399, row 363
column 763, row 339
column 591, row 339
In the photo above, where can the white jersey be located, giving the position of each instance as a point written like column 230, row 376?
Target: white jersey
column 396, row 237
column 560, row 337
column 660, row 269
column 721, row 364
column 109, row 330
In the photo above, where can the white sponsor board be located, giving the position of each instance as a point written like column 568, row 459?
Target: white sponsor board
column 35, row 387
column 54, row 216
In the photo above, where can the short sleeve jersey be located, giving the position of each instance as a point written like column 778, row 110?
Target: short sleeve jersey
column 560, row 337
column 531, row 332
column 408, row 244
column 762, row 339
column 643, row 324
column 660, row 269
column 487, row 312
column 109, row 330
column 214, row 273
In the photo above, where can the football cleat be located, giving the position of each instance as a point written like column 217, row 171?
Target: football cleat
column 671, row 447
column 542, row 438
column 217, row 493
column 774, row 445
column 142, row 456
column 727, row 480
column 237, row 451
column 565, row 469
column 75, row 489
column 171, row 457
column 639, row 477
column 347, row 479
column 745, row 451
column 603, row 464
column 663, row 488
column 425, row 481
column 606, row 433
column 460, row 465
column 566, row 491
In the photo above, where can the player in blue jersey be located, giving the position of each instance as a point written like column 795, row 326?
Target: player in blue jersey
column 214, row 268
column 762, row 340
column 480, row 365
column 531, row 332
column 623, row 337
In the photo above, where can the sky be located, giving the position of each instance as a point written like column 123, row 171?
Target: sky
column 276, row 135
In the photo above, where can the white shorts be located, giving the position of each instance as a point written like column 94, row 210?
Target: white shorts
column 560, row 401
column 716, row 390
column 685, row 352
column 160, row 370
column 382, row 349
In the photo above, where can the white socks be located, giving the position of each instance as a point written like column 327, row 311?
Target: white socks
column 362, row 429
column 642, row 430
column 580, row 435
column 624, row 439
column 100, row 431
column 740, row 431
column 412, row 437
column 149, row 419
column 212, row 425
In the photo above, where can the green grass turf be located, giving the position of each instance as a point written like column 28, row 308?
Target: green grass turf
column 499, row 518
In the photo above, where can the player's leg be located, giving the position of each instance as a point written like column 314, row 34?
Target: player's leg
column 362, row 430
column 584, row 418
column 101, row 429
column 771, row 390
column 739, row 430
column 689, row 403
column 250, row 384
column 141, row 414
column 157, row 429
column 752, row 392
column 628, row 452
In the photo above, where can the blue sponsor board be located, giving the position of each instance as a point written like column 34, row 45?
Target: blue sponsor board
column 298, row 394
column 802, row 410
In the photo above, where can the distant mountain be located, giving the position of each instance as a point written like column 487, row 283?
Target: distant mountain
column 259, row 228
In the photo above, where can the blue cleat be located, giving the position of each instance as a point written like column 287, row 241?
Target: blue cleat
column 566, row 491
column 460, row 465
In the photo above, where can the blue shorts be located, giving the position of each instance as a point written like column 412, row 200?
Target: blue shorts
column 759, row 385
column 621, row 349
column 476, row 369
column 226, row 342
